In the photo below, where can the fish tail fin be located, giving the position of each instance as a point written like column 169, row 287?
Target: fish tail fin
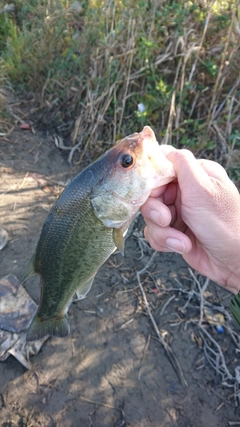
column 235, row 308
column 55, row 327
column 29, row 270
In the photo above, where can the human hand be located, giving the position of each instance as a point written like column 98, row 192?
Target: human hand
column 197, row 215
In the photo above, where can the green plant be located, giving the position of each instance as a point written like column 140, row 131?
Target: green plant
column 91, row 64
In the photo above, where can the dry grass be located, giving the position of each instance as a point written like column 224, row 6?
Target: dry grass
column 88, row 69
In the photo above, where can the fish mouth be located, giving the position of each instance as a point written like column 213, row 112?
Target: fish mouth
column 153, row 152
column 167, row 172
column 136, row 202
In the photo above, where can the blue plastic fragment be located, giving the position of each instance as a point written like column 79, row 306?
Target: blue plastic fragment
column 220, row 329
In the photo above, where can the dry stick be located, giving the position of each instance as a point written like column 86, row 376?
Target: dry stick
column 201, row 292
column 172, row 112
column 200, row 46
column 234, row 335
column 227, row 97
column 222, row 140
column 161, row 58
column 115, row 115
column 168, row 136
column 210, row 117
column 216, row 112
column 143, row 246
column 186, row 55
column 166, row 304
column 172, row 358
column 219, row 364
column 130, row 60
column 75, row 132
column 151, row 27
column 98, row 403
column 105, row 107
column 73, row 149
column 228, row 129
column 215, row 356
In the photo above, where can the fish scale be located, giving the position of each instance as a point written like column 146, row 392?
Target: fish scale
column 88, row 222
column 71, row 252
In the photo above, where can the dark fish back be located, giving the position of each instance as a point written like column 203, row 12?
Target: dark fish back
column 72, row 245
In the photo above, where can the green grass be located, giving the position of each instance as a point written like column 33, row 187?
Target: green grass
column 90, row 69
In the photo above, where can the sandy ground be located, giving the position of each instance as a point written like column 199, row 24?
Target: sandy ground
column 111, row 371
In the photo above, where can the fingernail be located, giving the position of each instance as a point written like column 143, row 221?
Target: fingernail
column 156, row 216
column 176, row 245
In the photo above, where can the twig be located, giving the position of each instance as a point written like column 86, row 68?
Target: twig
column 220, row 74
column 143, row 246
column 200, row 46
column 166, row 304
column 172, row 358
column 98, row 403
column 73, row 150
column 215, row 358
column 201, row 292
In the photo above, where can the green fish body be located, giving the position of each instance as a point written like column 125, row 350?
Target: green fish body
column 88, row 222
column 235, row 308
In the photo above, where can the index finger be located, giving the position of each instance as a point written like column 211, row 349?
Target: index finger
column 157, row 192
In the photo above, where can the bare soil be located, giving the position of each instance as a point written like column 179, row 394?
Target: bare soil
column 111, row 371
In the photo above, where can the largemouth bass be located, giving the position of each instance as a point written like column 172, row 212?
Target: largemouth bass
column 88, row 222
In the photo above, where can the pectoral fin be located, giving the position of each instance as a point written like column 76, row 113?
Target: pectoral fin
column 235, row 308
column 118, row 239
column 83, row 290
column 29, row 270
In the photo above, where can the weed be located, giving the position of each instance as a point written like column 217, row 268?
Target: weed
column 91, row 64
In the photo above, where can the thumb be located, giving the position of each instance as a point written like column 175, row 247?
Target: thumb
column 188, row 169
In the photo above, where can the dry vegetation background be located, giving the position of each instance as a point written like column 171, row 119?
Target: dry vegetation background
column 83, row 69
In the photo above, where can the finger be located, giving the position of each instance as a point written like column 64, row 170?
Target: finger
column 157, row 212
column 167, row 239
column 166, row 193
column 187, row 167
column 166, row 149
column 157, row 192
column 155, row 245
column 170, row 194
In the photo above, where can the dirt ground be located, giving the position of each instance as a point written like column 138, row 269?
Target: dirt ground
column 112, row 370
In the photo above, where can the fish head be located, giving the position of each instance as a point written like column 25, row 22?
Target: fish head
column 133, row 168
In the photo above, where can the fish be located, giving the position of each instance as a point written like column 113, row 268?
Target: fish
column 235, row 308
column 88, row 222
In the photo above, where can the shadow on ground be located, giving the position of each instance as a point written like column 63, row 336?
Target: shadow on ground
column 111, row 371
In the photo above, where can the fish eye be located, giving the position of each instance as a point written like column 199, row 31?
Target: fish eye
column 126, row 160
